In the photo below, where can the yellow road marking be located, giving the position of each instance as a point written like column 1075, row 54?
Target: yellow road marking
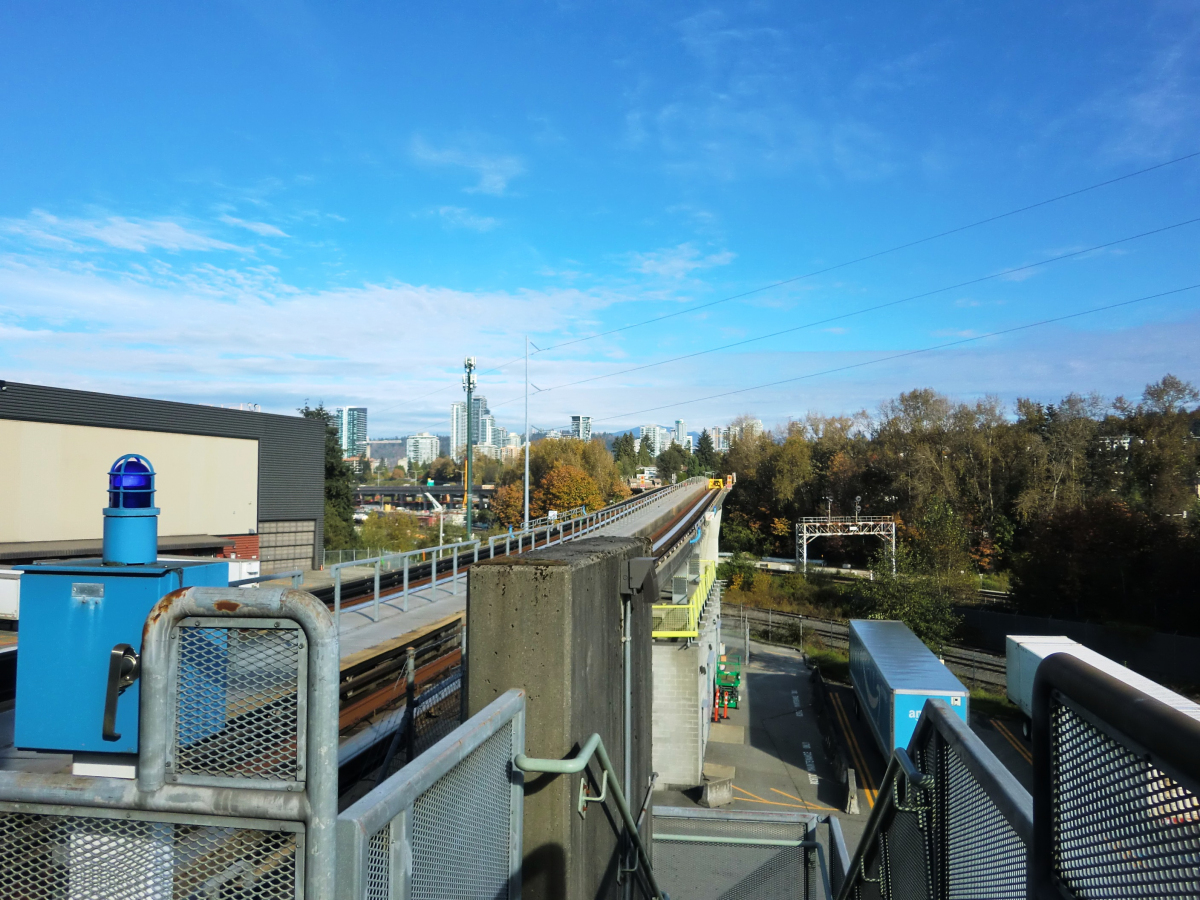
column 754, row 798
column 805, row 802
column 1017, row 745
column 855, row 751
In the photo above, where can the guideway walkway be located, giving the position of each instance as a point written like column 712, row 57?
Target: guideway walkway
column 774, row 744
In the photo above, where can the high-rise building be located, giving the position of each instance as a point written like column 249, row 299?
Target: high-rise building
column 681, row 436
column 655, row 438
column 581, row 427
column 351, row 424
column 458, row 424
column 422, row 448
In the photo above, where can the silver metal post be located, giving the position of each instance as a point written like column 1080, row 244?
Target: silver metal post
column 476, row 548
column 337, row 598
column 378, row 563
column 406, row 584
column 526, row 433
column 454, row 573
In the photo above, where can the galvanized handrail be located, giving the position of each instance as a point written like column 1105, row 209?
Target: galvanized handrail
column 404, row 555
column 1144, row 777
column 394, row 798
column 316, row 806
column 297, row 576
column 1011, row 800
column 595, row 746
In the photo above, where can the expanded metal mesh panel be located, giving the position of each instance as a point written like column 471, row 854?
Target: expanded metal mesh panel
column 985, row 858
column 237, row 711
column 673, row 617
column 379, row 864
column 461, row 827
column 908, row 865
column 51, row 857
column 1121, row 827
column 716, row 871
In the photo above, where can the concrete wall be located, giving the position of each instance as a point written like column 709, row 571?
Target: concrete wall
column 549, row 622
column 683, row 697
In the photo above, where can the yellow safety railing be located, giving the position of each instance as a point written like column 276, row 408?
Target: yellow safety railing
column 682, row 620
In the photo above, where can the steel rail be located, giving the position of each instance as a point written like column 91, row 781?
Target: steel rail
column 595, row 747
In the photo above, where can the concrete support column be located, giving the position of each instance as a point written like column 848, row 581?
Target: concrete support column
column 549, row 622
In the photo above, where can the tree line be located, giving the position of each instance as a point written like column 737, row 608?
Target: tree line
column 1087, row 507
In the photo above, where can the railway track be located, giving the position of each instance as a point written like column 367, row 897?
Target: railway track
column 362, row 590
column 976, row 666
column 374, row 689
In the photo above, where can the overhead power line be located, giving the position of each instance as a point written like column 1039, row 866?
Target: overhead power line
column 875, row 255
column 878, row 253
column 867, row 309
column 907, row 353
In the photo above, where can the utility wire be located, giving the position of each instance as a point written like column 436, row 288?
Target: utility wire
column 878, row 253
column 868, row 309
column 815, row 272
column 908, row 353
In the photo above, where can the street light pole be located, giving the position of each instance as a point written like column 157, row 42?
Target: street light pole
column 526, row 432
column 469, row 387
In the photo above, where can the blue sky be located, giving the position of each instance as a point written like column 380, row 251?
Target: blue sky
column 273, row 202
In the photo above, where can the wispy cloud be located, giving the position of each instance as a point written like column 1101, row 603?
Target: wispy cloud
column 678, row 262
column 262, row 228
column 458, row 217
column 494, row 172
column 117, row 232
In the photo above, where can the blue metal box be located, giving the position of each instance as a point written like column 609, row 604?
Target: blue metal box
column 72, row 615
column 893, row 674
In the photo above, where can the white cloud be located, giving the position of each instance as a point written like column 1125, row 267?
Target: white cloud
column 262, row 228
column 458, row 217
column 117, row 232
column 494, row 172
column 678, row 262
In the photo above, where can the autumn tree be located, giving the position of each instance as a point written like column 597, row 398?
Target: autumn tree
column 565, row 487
column 508, row 504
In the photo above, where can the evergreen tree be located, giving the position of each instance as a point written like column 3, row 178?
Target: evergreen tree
column 706, row 453
column 339, row 483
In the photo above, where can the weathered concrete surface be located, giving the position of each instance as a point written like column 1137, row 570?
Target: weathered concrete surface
column 549, row 622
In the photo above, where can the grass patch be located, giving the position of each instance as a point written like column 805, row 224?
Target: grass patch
column 990, row 703
column 834, row 664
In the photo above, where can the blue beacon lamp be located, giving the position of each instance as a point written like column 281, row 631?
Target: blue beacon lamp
column 82, row 621
column 131, row 518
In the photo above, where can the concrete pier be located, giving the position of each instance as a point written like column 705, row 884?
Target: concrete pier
column 550, row 623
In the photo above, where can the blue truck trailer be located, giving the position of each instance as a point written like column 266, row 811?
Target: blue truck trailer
column 893, row 674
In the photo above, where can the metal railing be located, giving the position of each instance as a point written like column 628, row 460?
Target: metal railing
column 610, row 783
column 235, row 791
column 296, row 575
column 950, row 821
column 1116, row 788
column 682, row 620
column 449, row 824
column 714, row 854
column 403, row 561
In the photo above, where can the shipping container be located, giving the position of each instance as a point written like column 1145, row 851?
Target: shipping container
column 893, row 674
column 1024, row 652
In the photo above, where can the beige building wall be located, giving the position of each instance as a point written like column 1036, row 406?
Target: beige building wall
column 53, row 480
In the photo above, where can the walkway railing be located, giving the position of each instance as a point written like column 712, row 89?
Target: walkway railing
column 447, row 825
column 1116, row 788
column 682, row 620
column 403, row 561
column 950, row 821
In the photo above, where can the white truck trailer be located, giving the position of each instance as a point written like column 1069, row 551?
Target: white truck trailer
column 1024, row 652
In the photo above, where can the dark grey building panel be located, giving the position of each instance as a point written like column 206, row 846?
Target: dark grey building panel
column 291, row 449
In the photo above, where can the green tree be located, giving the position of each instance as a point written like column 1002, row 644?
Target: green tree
column 706, row 454
column 339, row 483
